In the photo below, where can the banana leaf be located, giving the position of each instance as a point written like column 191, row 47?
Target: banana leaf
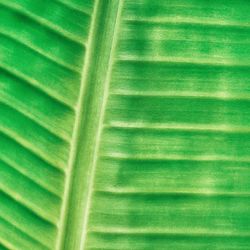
column 124, row 125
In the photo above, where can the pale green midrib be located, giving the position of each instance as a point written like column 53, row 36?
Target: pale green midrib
column 75, row 135
column 88, row 124
column 101, row 121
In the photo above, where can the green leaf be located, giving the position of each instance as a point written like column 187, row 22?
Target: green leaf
column 124, row 124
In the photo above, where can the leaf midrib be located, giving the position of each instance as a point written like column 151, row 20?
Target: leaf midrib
column 88, row 125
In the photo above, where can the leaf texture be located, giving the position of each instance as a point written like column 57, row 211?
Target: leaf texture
column 124, row 124
column 42, row 50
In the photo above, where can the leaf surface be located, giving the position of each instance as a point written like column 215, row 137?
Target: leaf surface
column 124, row 124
